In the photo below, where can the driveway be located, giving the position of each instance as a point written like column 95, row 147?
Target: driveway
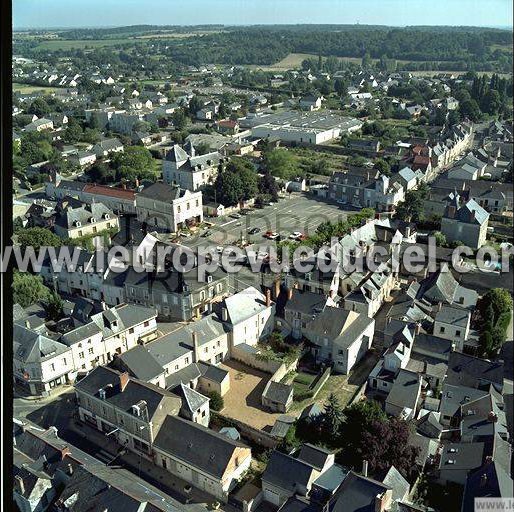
column 243, row 400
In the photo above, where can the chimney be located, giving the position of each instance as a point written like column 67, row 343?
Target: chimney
column 289, row 293
column 124, row 186
column 124, row 379
column 104, row 305
column 65, row 450
column 20, row 486
column 70, row 469
column 268, row 297
column 224, row 314
column 136, row 182
column 439, row 306
column 365, row 468
column 473, row 213
column 383, row 501
column 332, row 293
column 418, row 328
column 194, row 335
column 27, row 323
column 483, row 480
column 277, row 288
column 492, row 417
column 451, row 212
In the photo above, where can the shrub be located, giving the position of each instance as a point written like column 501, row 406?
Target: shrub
column 216, row 401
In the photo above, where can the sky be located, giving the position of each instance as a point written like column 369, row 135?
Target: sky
column 98, row 13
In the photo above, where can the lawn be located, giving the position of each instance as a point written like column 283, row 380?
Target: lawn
column 27, row 88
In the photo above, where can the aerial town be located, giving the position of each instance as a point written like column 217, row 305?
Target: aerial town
column 145, row 387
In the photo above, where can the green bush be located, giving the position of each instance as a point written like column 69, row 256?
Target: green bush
column 216, row 401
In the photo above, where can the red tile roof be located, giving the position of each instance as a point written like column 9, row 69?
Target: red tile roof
column 120, row 193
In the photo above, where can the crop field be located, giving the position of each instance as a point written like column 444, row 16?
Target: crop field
column 80, row 44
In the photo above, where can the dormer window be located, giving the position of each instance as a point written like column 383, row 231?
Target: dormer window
column 107, row 216
column 92, row 220
column 78, row 223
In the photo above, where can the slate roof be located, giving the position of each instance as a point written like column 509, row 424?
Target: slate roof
column 453, row 396
column 161, row 192
column 286, row 472
column 199, row 447
column 397, row 483
column 461, row 456
column 471, row 213
column 313, row 455
column 211, row 372
column 305, row 302
column 71, row 216
column 30, row 346
column 166, row 350
column 453, row 315
column 140, row 363
column 192, row 400
column 466, row 370
column 404, row 392
column 183, row 376
column 278, row 392
column 357, row 494
column 135, row 391
column 340, row 326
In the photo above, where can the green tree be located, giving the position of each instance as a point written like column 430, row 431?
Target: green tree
column 280, row 163
column 179, row 119
column 440, row 238
column 39, row 107
column 332, row 418
column 216, row 402
column 469, row 108
column 53, row 306
column 73, row 132
column 36, row 238
column 28, row 289
column 382, row 166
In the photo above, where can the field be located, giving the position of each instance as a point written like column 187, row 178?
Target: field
column 62, row 44
column 27, row 89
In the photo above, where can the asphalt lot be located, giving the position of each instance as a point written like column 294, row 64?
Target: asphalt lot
column 295, row 213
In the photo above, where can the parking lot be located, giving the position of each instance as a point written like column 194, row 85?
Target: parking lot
column 296, row 213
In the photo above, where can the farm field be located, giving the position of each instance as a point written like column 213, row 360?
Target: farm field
column 80, row 44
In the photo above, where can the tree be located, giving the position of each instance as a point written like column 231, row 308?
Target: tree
column 366, row 61
column 39, row 107
column 236, row 183
column 440, row 238
column 491, row 102
column 137, row 158
column 101, row 173
column 35, row 147
column 73, row 132
column 53, row 306
column 216, row 401
column 28, row 289
column 332, row 418
column 385, row 444
column 195, row 104
column 179, row 119
column 280, row 163
column 382, row 166
column 268, row 185
column 469, row 108
column 412, row 209
column 37, row 238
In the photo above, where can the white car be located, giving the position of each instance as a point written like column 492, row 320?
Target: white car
column 295, row 235
column 273, row 236
column 219, row 249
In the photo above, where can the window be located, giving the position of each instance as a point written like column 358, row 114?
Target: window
column 218, row 343
column 146, row 324
column 91, row 351
column 81, row 355
column 80, row 232
column 164, row 464
column 457, row 333
column 52, row 367
column 131, row 330
column 178, row 209
column 64, row 362
column 188, row 206
column 206, row 349
column 441, row 329
column 203, row 414
column 176, row 367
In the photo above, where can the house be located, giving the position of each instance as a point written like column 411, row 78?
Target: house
column 82, row 158
column 459, row 459
column 468, row 168
column 40, row 362
column 132, row 410
column 195, row 406
column 84, row 219
column 466, row 223
column 168, row 208
column 473, row 372
column 403, row 398
column 189, row 170
column 107, row 146
column 141, row 365
column 453, row 323
column 59, row 119
column 300, row 308
column 340, row 337
column 249, row 315
column 98, row 338
column 39, row 125
column 277, row 396
column 311, row 102
column 286, row 475
column 228, row 126
column 208, row 460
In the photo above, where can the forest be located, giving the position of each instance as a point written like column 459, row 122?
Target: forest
column 438, row 48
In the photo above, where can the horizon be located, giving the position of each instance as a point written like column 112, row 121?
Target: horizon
column 61, row 15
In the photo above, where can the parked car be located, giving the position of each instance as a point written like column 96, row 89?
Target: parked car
column 235, row 215
column 274, row 236
column 295, row 235
column 253, row 231
column 207, row 233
